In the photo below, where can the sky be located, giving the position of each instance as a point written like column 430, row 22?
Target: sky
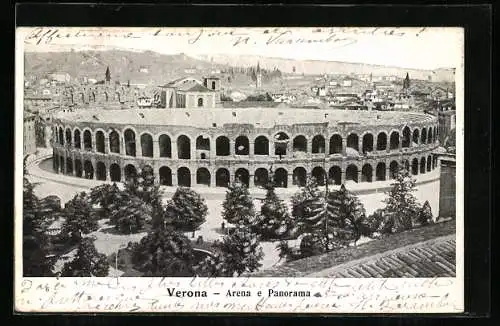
column 419, row 48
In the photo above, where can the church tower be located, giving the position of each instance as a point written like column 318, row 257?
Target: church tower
column 258, row 80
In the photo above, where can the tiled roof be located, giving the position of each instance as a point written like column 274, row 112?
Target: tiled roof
column 198, row 88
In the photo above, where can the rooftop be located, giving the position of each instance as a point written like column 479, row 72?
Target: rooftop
column 262, row 117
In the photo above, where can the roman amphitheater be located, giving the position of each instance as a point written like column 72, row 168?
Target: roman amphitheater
column 211, row 148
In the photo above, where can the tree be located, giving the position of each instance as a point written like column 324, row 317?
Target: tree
column 238, row 206
column 237, row 253
column 401, row 204
column 164, row 252
column 88, row 262
column 425, row 214
column 406, row 82
column 186, row 210
column 108, row 197
column 131, row 215
column 304, row 203
column 274, row 221
column 80, row 217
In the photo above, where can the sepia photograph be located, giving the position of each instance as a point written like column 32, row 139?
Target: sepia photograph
column 266, row 169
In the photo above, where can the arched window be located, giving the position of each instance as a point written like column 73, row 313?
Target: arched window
column 200, row 102
column 242, row 175
column 130, row 172
column 336, row 144
column 416, row 136
column 147, row 145
column 101, row 171
column 241, row 145
column 423, row 137
column 414, row 166
column 184, row 177
column 429, row 163
column 222, row 146
column 351, row 173
column 68, row 137
column 203, row 143
column 213, row 85
column 380, row 172
column 318, row 144
column 77, row 139
column 422, row 165
column 393, row 169
column 299, row 176
column 281, row 178
column 115, row 173
column 184, row 147
column 165, row 176
column 353, row 142
column 165, row 146
column 114, row 142
column 99, row 141
column 61, row 136
column 406, row 137
column 261, row 146
column 88, row 170
column 281, row 140
column 335, row 175
column 78, row 168
column 429, row 136
column 69, row 166
column 367, row 143
column 129, row 142
column 381, row 141
column 318, row 173
column 222, row 177
column 203, row 177
column 367, row 173
column 87, row 140
column 394, row 141
column 261, row 177
column 299, row 144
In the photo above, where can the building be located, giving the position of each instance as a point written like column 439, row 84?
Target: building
column 29, row 134
column 60, row 77
column 218, row 146
column 190, row 93
column 447, row 191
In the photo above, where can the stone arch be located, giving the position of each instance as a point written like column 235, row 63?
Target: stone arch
column 336, row 144
column 299, row 144
column 318, row 144
column 77, row 138
column 394, row 140
column 393, row 169
column 422, row 165
column 423, row 136
column 200, row 101
column 353, row 141
column 429, row 136
column 414, row 166
column 222, row 146
column 381, row 141
column 146, row 145
column 78, row 168
column 203, row 177
column 114, row 142
column 203, row 143
column 406, row 137
column 165, row 176
column 351, row 173
column 165, row 144
column 184, row 147
column 367, row 143
column 69, row 166
column 281, row 140
column 61, row 163
column 429, row 163
column 261, row 145
column 184, row 177
column 299, row 176
column 380, row 171
column 115, row 172
column 281, row 178
column 416, row 136
column 99, row 141
column 242, row 176
column 222, row 177
column 67, row 140
column 130, row 172
column 335, row 175
column 61, row 136
column 100, row 171
column 319, row 174
column 406, row 165
column 367, row 173
column 88, row 170
column 130, row 148
column 435, row 134
column 261, row 177
column 241, row 145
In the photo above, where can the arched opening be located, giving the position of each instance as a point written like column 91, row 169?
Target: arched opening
column 435, row 134
column 336, row 144
column 184, row 177
column 394, row 140
column 241, row 145
column 100, row 171
column 416, row 136
column 165, row 146
column 213, row 85
column 184, row 147
column 353, row 142
column 429, row 163
column 434, row 162
column 414, row 166
column 129, row 142
column 77, row 139
column 381, row 141
column 261, row 177
column 115, row 173
column 69, row 166
column 406, row 137
column 422, row 165
column 351, row 173
column 423, row 136
column 318, row 173
column 281, row 178
column 114, row 142
column 281, row 140
column 380, row 172
column 367, row 173
column 393, row 169
column 130, row 172
column 165, row 176
column 68, row 137
column 222, row 146
column 147, row 145
column 318, row 144
column 367, row 143
column 78, row 168
column 407, row 165
column 429, row 136
column 88, row 170
column 61, row 136
column 261, row 146
column 222, row 177
column 242, row 176
column 335, row 175
column 203, row 143
column 200, row 102
column 61, row 163
column 299, row 144
column 87, row 140
column 299, row 176
column 99, row 141
column 203, row 177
